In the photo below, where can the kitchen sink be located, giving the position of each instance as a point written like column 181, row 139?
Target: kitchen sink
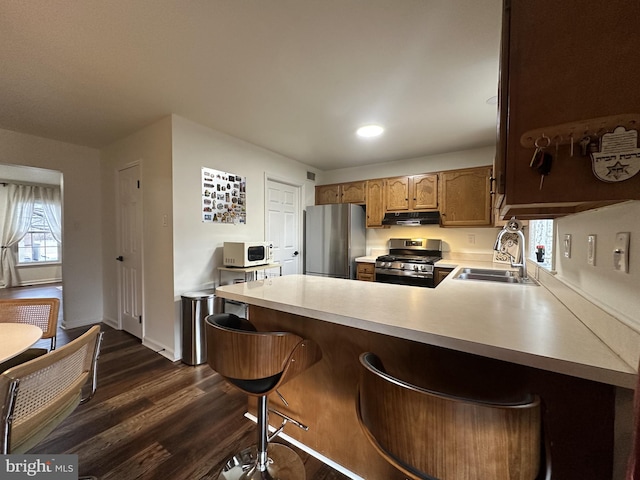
column 487, row 271
column 488, row 275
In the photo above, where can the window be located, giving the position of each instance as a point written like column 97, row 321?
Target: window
column 38, row 245
column 541, row 235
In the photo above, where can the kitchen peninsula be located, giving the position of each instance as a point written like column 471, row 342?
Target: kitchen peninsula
column 498, row 339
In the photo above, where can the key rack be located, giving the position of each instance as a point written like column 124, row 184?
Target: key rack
column 563, row 134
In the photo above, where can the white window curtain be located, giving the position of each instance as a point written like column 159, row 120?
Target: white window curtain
column 52, row 206
column 17, row 220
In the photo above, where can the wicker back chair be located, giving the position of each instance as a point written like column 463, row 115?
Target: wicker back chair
column 38, row 395
column 41, row 312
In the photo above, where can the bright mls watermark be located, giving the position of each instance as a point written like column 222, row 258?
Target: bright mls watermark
column 51, row 467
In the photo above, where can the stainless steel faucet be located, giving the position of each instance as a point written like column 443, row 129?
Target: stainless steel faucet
column 514, row 226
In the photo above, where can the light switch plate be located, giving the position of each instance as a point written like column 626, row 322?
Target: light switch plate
column 591, row 250
column 621, row 252
column 567, row 245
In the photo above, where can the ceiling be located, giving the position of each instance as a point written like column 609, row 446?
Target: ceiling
column 296, row 77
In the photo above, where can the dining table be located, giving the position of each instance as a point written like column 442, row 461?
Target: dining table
column 15, row 338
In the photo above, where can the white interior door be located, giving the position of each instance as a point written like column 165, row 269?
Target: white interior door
column 283, row 224
column 129, row 250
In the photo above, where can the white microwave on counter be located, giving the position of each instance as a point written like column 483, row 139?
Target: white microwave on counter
column 247, row 254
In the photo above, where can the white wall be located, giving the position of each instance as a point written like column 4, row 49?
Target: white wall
column 82, row 205
column 454, row 240
column 616, row 292
column 433, row 163
column 151, row 147
column 197, row 247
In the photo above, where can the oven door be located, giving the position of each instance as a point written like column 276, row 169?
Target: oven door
column 421, row 280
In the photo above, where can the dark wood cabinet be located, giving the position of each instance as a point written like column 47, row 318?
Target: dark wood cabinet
column 440, row 273
column 563, row 63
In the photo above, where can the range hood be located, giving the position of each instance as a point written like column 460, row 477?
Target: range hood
column 411, row 218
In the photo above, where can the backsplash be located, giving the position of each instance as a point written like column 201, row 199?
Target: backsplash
column 454, row 240
column 616, row 292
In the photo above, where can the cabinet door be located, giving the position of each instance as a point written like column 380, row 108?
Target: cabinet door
column 424, row 192
column 375, row 203
column 440, row 273
column 327, row 194
column 366, row 271
column 466, row 197
column 354, row 192
column 584, row 66
column 397, row 194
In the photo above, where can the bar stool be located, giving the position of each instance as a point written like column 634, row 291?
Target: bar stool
column 428, row 435
column 258, row 363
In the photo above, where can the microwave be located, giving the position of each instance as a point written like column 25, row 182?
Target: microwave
column 247, row 254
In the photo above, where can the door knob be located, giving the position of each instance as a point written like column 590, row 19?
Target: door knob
column 120, row 258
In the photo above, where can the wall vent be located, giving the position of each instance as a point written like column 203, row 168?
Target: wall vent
column 311, row 176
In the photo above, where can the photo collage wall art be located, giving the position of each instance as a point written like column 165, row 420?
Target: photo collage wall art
column 224, row 197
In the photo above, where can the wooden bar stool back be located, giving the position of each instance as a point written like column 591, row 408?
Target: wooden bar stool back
column 431, row 435
column 258, row 363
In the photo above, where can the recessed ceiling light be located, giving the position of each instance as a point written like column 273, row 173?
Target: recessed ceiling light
column 368, row 131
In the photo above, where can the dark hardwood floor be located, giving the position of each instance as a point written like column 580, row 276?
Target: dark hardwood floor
column 155, row 419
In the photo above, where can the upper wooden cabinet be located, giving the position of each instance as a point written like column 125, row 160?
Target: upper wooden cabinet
column 423, row 192
column 352, row 192
column 327, row 194
column 375, row 203
column 465, row 197
column 462, row 196
column 417, row 192
column 558, row 71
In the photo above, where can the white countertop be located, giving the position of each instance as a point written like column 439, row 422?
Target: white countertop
column 522, row 324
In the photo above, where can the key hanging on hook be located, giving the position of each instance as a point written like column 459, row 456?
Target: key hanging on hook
column 571, row 138
column 558, row 139
column 539, row 151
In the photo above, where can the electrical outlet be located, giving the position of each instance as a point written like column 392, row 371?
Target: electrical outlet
column 591, row 250
column 621, row 252
column 471, row 238
column 567, row 245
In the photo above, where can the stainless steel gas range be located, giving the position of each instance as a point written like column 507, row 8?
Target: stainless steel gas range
column 409, row 262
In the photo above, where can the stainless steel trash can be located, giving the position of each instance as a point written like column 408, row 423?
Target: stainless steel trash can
column 195, row 307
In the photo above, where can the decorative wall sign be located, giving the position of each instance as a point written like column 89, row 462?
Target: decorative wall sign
column 224, row 197
column 508, row 249
column 619, row 156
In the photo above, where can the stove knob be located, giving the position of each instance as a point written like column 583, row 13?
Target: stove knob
column 423, row 268
column 415, row 268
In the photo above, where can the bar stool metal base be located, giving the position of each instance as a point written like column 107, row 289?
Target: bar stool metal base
column 283, row 464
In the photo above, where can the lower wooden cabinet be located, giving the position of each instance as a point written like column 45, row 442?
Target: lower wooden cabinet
column 366, row 271
column 439, row 274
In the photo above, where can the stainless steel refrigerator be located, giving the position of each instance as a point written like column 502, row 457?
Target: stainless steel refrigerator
column 334, row 238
